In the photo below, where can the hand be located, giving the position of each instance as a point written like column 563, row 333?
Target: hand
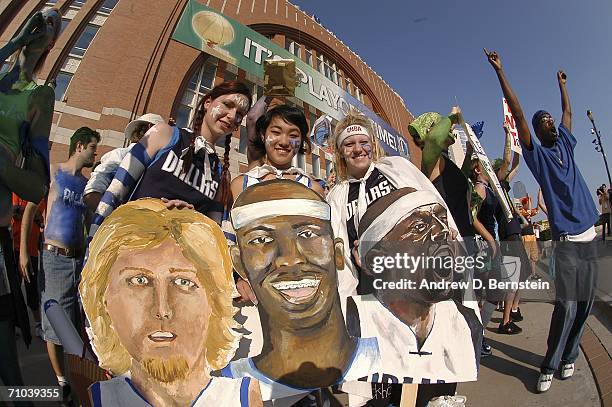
column 24, row 266
column 176, row 203
column 506, row 128
column 246, row 292
column 493, row 246
column 355, row 252
column 561, row 77
column 33, row 30
column 455, row 115
column 494, row 59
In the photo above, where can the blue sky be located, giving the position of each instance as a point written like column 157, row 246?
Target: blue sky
column 431, row 52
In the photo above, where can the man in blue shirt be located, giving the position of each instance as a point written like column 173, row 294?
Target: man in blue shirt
column 572, row 215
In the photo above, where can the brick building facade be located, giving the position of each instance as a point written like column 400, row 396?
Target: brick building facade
column 116, row 60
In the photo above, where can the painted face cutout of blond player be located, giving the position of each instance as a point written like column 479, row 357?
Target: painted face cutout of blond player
column 159, row 306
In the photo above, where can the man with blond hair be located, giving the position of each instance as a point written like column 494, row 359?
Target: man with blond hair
column 157, row 291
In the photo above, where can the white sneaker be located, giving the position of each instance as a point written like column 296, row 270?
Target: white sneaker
column 447, row 401
column 544, row 382
column 567, row 371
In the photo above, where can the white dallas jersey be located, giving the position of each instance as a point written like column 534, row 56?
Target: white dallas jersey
column 451, row 352
column 219, row 391
column 365, row 360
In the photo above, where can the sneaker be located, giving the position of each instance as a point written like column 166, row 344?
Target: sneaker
column 567, row 371
column 485, row 349
column 516, row 316
column 500, row 307
column 509, row 329
column 447, row 401
column 544, row 382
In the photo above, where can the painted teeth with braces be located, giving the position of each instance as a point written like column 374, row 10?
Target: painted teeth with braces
column 292, row 285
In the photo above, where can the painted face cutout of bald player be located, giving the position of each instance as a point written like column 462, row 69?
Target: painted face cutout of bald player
column 287, row 252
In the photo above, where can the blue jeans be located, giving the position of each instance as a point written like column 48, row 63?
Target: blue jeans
column 59, row 280
column 576, row 274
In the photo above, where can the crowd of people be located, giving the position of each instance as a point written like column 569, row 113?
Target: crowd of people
column 51, row 212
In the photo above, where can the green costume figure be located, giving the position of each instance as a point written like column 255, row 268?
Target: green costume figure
column 26, row 112
column 432, row 133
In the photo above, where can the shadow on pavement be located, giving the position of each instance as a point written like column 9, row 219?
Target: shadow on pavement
column 518, row 354
column 526, row 375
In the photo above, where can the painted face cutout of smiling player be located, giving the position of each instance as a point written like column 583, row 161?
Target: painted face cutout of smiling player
column 289, row 259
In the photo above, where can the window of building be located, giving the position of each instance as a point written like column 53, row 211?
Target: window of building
column 293, row 47
column 108, row 6
column 84, row 40
column 329, row 166
column 301, row 161
column 316, row 166
column 243, row 145
column 199, row 83
column 78, row 3
column 65, row 23
column 320, row 64
column 229, row 76
column 62, row 80
column 349, row 86
column 308, row 55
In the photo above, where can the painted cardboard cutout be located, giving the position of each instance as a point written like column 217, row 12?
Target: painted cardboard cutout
column 424, row 336
column 157, row 290
column 287, row 251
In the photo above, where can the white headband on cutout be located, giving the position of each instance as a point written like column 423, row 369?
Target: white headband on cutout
column 394, row 214
column 351, row 130
column 244, row 215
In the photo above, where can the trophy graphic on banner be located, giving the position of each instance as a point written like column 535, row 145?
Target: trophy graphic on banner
column 280, row 78
column 215, row 31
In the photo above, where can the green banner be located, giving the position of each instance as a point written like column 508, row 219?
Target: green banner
column 207, row 30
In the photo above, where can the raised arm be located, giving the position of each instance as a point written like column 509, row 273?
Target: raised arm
column 515, row 165
column 129, row 172
column 436, row 139
column 541, row 204
column 466, row 167
column 24, row 240
column 503, row 169
column 254, row 153
column 566, row 119
column 513, row 103
column 33, row 30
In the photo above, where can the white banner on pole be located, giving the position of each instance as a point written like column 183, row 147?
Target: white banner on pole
column 456, row 152
column 488, row 169
column 509, row 120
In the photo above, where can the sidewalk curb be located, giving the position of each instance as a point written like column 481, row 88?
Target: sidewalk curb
column 600, row 363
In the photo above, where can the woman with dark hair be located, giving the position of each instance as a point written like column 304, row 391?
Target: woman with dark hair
column 282, row 133
column 179, row 166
